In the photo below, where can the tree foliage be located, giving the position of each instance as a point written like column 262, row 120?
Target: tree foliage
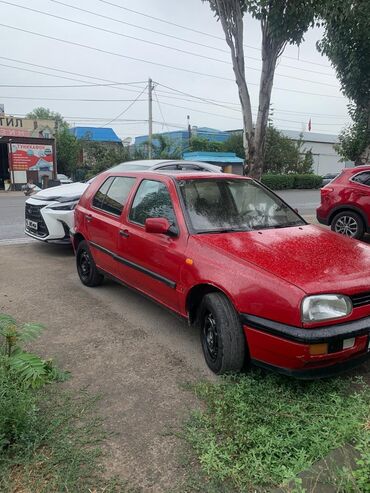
column 282, row 155
column 202, row 144
column 282, row 22
column 67, row 146
column 41, row 113
column 99, row 156
column 68, row 151
column 346, row 42
column 354, row 139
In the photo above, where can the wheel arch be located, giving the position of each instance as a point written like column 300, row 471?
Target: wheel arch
column 349, row 208
column 195, row 295
column 77, row 238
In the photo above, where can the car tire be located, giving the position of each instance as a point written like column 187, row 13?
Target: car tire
column 348, row 223
column 86, row 267
column 222, row 337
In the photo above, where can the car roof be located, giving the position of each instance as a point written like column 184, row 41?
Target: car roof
column 357, row 169
column 175, row 174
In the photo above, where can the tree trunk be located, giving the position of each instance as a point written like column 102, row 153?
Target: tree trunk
column 231, row 18
column 270, row 54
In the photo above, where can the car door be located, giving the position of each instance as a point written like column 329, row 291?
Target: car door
column 151, row 262
column 103, row 223
column 360, row 193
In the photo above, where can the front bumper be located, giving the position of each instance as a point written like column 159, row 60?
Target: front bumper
column 287, row 349
column 53, row 226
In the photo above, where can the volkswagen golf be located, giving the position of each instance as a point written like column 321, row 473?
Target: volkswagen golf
column 227, row 254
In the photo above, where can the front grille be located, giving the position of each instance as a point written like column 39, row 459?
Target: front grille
column 33, row 213
column 360, row 299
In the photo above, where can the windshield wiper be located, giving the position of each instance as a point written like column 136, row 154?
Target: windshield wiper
column 224, row 230
column 287, row 225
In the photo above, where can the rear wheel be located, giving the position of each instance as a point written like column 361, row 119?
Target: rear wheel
column 348, row 223
column 86, row 268
column 222, row 337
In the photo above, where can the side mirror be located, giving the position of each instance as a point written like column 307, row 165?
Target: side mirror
column 159, row 225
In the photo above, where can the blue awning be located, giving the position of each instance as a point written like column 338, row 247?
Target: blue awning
column 213, row 157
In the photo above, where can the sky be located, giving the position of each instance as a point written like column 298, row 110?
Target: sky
column 178, row 44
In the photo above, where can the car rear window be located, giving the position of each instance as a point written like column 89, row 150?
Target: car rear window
column 363, row 178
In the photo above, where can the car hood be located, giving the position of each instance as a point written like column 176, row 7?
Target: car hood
column 71, row 190
column 310, row 257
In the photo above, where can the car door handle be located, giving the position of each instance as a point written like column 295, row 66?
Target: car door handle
column 89, row 217
column 124, row 233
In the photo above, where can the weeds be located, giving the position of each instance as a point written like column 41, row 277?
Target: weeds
column 259, row 430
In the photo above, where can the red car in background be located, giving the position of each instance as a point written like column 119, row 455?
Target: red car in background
column 226, row 253
column 345, row 203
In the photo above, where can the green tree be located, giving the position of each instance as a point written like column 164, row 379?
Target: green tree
column 202, row 144
column 235, row 144
column 67, row 146
column 68, row 151
column 346, row 42
column 282, row 22
column 354, row 140
column 282, row 155
column 99, row 156
column 41, row 113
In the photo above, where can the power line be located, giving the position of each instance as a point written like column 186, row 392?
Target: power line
column 59, row 86
column 194, row 30
column 183, row 39
column 159, row 106
column 155, row 63
column 90, row 100
column 113, row 32
column 167, row 94
column 126, row 109
column 291, row 77
column 107, row 52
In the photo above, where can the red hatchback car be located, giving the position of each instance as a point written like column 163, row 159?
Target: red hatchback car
column 345, row 203
column 226, row 253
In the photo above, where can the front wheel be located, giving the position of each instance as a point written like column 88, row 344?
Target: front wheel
column 86, row 268
column 222, row 337
column 348, row 223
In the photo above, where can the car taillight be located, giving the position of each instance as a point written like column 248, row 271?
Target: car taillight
column 326, row 190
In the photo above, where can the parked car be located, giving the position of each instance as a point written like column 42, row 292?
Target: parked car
column 64, row 180
column 49, row 214
column 345, row 203
column 328, row 178
column 226, row 253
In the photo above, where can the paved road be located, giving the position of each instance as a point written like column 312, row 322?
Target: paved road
column 12, row 216
column 12, row 211
column 306, row 201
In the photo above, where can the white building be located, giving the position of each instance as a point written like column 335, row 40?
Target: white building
column 325, row 157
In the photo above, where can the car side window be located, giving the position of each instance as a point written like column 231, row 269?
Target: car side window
column 152, row 199
column 100, row 194
column 363, row 178
column 115, row 195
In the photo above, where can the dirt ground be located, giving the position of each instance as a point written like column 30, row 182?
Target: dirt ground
column 124, row 347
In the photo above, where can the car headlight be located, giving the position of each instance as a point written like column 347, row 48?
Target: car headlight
column 64, row 207
column 325, row 307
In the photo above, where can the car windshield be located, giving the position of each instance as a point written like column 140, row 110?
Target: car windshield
column 222, row 205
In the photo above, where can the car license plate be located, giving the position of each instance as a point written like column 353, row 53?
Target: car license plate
column 31, row 224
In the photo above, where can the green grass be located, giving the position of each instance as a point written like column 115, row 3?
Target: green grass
column 260, row 430
column 61, row 450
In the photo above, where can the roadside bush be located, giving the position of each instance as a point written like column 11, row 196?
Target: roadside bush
column 283, row 182
column 307, row 181
column 278, row 182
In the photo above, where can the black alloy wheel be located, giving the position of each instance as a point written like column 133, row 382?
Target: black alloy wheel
column 86, row 268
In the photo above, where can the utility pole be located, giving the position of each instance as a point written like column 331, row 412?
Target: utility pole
column 150, row 99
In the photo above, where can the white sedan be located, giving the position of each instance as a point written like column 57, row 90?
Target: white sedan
column 49, row 214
